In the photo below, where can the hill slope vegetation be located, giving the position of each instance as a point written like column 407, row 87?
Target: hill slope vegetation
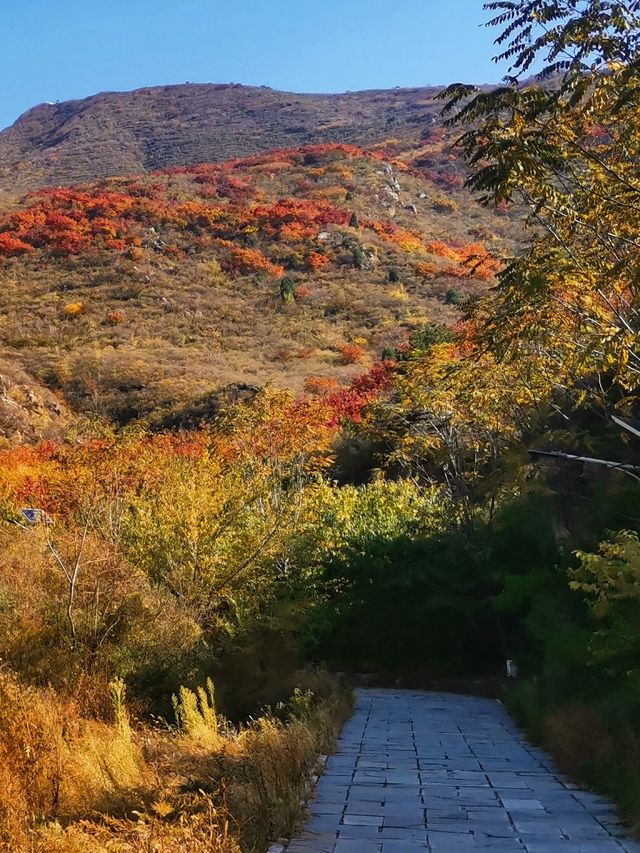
column 142, row 296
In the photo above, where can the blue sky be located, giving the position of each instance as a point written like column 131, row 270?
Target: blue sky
column 60, row 49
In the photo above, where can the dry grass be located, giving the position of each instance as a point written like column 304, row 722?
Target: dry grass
column 54, row 764
column 125, row 133
column 206, row 832
column 578, row 738
column 75, row 785
column 145, row 334
column 598, row 751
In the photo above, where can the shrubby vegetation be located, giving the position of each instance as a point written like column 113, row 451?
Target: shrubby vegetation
column 398, row 525
column 168, row 559
column 248, row 271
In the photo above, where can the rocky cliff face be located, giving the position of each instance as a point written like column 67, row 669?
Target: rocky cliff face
column 27, row 411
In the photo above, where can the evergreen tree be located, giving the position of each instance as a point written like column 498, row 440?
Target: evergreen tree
column 358, row 258
column 287, row 290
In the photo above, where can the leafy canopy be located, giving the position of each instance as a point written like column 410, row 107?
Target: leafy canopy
column 566, row 146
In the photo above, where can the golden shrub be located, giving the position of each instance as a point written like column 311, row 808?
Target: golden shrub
column 73, row 309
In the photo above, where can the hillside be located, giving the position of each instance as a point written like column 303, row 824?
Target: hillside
column 144, row 296
column 120, row 133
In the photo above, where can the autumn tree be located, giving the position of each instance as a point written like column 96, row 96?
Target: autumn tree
column 213, row 529
column 566, row 147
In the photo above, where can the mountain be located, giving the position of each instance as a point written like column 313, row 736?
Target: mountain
column 119, row 133
column 155, row 296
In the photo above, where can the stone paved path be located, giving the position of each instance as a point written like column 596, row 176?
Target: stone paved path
column 433, row 771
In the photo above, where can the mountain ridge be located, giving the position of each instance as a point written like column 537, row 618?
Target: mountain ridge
column 156, row 127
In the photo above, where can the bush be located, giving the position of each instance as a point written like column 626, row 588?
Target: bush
column 426, row 270
column 444, row 204
column 430, row 335
column 358, row 258
column 351, row 353
column 74, row 309
column 450, row 633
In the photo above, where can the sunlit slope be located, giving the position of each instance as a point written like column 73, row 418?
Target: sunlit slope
column 135, row 297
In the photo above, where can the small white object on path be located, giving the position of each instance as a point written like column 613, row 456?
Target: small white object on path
column 418, row 771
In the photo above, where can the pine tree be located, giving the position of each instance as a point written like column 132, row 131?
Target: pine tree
column 287, row 290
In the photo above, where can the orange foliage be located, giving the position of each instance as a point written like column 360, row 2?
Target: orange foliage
column 406, row 240
column 473, row 260
column 320, row 386
column 442, row 250
column 11, row 245
column 296, row 232
column 73, row 309
column 350, row 353
column 248, row 261
column 55, row 477
column 426, row 270
column 315, row 261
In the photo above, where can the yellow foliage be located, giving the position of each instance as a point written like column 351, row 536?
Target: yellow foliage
column 399, row 293
column 60, row 773
column 73, row 309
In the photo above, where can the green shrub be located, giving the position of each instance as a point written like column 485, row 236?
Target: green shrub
column 431, row 334
column 358, row 258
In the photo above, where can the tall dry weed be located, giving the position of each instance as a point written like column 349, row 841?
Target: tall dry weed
column 74, row 785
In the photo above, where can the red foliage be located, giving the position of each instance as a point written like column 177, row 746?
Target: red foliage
column 317, row 212
column 125, row 214
column 348, row 403
column 237, row 190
